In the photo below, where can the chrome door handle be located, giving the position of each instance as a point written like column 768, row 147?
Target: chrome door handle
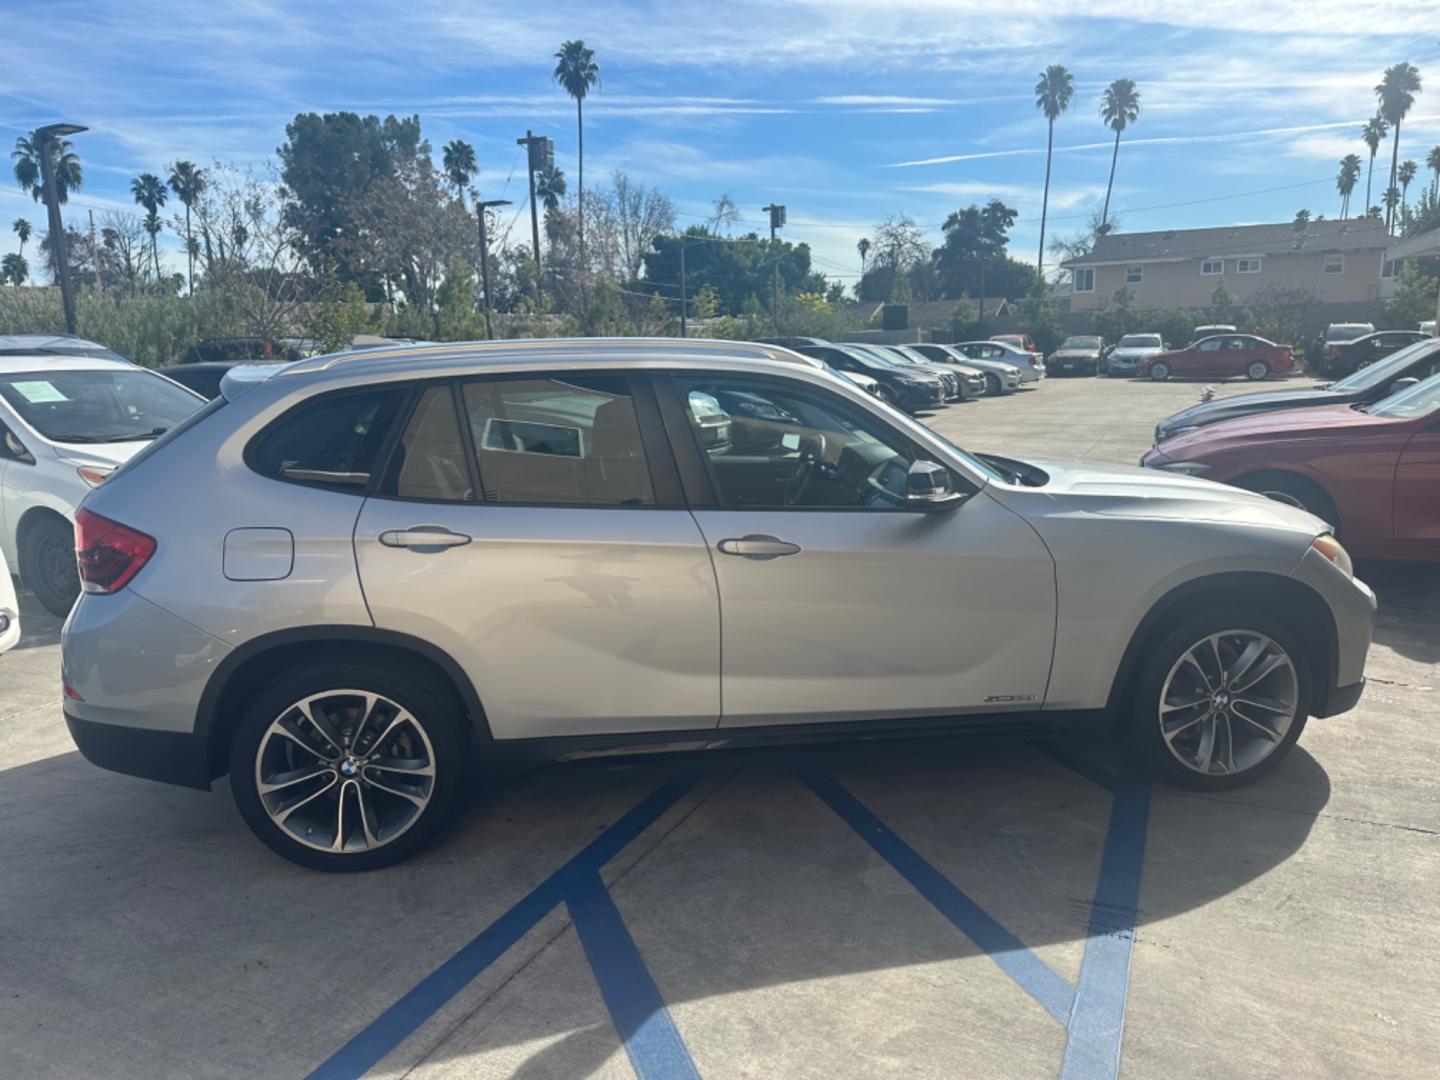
column 425, row 538
column 758, row 546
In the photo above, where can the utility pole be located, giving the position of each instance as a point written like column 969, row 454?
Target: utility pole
column 777, row 219
column 480, row 208
column 682, row 285
column 43, row 138
column 95, row 252
column 539, row 155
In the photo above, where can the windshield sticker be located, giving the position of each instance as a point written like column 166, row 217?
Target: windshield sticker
column 39, row 392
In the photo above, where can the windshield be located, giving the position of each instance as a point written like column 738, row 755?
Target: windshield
column 1080, row 343
column 97, row 406
column 871, row 359
column 1378, row 374
column 1412, row 402
column 1139, row 341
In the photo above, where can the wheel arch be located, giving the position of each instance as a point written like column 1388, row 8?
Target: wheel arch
column 1254, row 476
column 33, row 516
column 1300, row 606
column 222, row 702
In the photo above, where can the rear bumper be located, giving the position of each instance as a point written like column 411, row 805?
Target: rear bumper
column 171, row 757
column 1339, row 699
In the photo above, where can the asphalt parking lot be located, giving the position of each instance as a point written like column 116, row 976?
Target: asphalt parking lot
column 940, row 908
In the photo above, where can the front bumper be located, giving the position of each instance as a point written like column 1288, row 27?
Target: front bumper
column 921, row 396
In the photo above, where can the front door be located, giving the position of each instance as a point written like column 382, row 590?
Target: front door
column 1417, row 490
column 576, row 590
column 838, row 601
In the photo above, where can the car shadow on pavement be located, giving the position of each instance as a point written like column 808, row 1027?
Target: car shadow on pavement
column 38, row 627
column 1409, row 595
column 149, row 934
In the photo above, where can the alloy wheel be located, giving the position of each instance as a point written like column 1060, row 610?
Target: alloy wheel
column 345, row 771
column 1159, row 372
column 1229, row 702
column 1257, row 370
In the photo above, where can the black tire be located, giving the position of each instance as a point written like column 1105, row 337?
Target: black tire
column 1160, row 372
column 435, row 712
column 992, row 385
column 1141, row 728
column 47, row 564
column 1259, row 371
column 888, row 396
column 1294, row 490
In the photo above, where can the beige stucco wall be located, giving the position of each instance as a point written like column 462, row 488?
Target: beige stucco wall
column 1181, row 285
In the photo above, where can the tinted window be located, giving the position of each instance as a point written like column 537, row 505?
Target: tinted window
column 333, row 441
column 116, row 405
column 429, row 459
column 564, row 441
column 770, row 445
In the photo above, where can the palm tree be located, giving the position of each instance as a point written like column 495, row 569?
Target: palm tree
column 1052, row 97
column 149, row 192
column 460, row 166
column 1392, row 201
column 1396, row 92
column 22, row 229
column 1345, row 182
column 1406, row 175
column 1119, row 108
column 189, row 184
column 863, row 247
column 1373, row 133
column 1432, row 162
column 577, row 71
column 550, row 187
column 14, row 269
column 68, row 174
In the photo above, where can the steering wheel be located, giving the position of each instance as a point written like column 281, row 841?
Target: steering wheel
column 812, row 451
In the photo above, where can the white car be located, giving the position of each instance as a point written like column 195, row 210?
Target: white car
column 1031, row 365
column 69, row 416
column 9, row 609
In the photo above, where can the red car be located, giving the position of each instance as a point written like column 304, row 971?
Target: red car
column 1220, row 356
column 1372, row 471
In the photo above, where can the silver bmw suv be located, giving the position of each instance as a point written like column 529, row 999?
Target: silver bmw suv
column 333, row 578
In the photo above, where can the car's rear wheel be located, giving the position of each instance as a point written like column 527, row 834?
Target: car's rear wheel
column 1221, row 699
column 47, row 564
column 1259, row 371
column 1160, row 372
column 347, row 766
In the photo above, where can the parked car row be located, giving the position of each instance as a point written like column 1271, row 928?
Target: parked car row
column 340, row 572
column 1362, row 453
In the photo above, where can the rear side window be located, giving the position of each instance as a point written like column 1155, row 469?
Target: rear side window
column 560, row 442
column 334, row 441
column 429, row 460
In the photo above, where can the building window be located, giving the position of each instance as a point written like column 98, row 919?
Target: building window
column 1085, row 280
column 1334, row 264
column 1387, row 268
column 1212, row 267
column 1247, row 266
column 1133, row 274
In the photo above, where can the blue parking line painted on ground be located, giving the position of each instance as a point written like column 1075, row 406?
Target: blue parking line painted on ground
column 422, row 1001
column 649, row 1035
column 1031, row 973
column 1097, row 1022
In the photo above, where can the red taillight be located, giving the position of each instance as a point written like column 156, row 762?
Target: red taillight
column 109, row 554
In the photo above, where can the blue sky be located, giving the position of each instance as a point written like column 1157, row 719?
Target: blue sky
column 845, row 111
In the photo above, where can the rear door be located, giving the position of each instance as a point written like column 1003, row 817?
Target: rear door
column 532, row 527
column 838, row 602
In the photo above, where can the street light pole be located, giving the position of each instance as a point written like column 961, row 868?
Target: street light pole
column 43, row 138
column 777, row 219
column 480, row 208
column 682, row 285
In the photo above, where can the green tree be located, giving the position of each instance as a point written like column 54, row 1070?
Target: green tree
column 1396, row 92
column 149, row 192
column 550, row 189
column 458, row 159
column 339, row 318
column 972, row 260
column 188, row 184
column 863, row 247
column 1119, row 108
column 1118, row 317
column 68, row 174
column 577, row 71
column 14, row 269
column 606, row 315
column 1346, row 180
column 1278, row 311
column 1052, row 97
column 1392, row 203
column 1415, row 293
column 1406, row 176
column 1432, row 162
column 1373, row 134
column 22, row 229
column 1222, row 307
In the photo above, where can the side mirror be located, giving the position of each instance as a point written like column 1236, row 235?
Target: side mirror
column 930, row 487
column 1403, row 384
column 15, row 449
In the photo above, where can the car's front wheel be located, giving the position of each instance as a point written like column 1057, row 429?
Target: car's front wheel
column 1160, row 372
column 47, row 564
column 348, row 766
column 1221, row 699
column 992, row 384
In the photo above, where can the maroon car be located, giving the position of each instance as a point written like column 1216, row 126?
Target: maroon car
column 1220, row 356
column 1373, row 471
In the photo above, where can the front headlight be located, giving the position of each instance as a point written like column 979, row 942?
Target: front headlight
column 1189, row 468
column 1327, row 545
